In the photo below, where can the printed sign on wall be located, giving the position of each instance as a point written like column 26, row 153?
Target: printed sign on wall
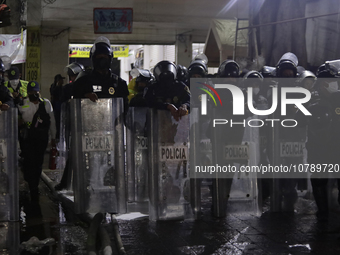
column 33, row 55
column 112, row 20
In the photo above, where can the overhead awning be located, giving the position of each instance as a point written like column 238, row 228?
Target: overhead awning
column 220, row 42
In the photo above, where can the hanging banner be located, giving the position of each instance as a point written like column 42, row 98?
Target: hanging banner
column 112, row 20
column 83, row 51
column 33, row 55
column 14, row 47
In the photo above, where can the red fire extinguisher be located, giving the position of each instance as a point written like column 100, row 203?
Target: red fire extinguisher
column 53, row 156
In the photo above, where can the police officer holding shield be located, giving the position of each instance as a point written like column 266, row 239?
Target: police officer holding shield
column 168, row 93
column 323, row 143
column 101, row 82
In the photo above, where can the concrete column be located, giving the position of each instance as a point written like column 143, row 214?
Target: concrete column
column 147, row 57
column 54, row 57
column 34, row 13
column 53, row 47
column 183, row 50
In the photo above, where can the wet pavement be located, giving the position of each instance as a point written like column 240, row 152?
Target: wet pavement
column 269, row 233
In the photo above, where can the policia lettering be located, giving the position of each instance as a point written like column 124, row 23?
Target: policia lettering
column 173, row 153
column 99, row 143
column 236, row 152
column 291, row 149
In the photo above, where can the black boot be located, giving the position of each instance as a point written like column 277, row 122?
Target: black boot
column 321, row 200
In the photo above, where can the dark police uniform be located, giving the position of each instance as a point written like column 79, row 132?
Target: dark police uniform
column 159, row 97
column 323, row 143
column 105, row 86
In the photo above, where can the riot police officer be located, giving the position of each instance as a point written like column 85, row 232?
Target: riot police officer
column 229, row 69
column 198, row 68
column 287, row 66
column 38, row 121
column 167, row 93
column 72, row 71
column 323, row 143
column 182, row 74
column 137, row 86
column 101, row 82
column 307, row 80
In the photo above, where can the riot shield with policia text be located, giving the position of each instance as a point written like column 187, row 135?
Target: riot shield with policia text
column 137, row 154
column 98, row 155
column 169, row 176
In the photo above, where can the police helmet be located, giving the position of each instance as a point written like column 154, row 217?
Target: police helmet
column 2, row 66
column 251, row 78
column 287, row 61
column 74, row 69
column 229, row 68
column 307, row 79
column 101, row 47
column 165, row 71
column 329, row 69
column 182, row 73
column 143, row 75
column 268, row 71
column 306, row 74
column 199, row 67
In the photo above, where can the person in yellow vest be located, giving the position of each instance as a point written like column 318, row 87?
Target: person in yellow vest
column 137, row 85
column 17, row 87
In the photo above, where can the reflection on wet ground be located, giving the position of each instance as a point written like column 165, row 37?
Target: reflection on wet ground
column 269, row 233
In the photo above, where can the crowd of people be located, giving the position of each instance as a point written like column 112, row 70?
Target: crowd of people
column 167, row 87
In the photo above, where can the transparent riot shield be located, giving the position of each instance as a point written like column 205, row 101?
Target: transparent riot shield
column 224, row 137
column 98, row 155
column 286, row 144
column 196, row 157
column 64, row 164
column 137, row 155
column 244, row 191
column 292, row 151
column 63, row 144
column 169, row 178
column 9, row 190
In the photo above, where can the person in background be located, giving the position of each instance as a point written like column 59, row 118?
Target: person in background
column 37, row 121
column 56, row 92
column 17, row 87
column 137, row 87
column 72, row 71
